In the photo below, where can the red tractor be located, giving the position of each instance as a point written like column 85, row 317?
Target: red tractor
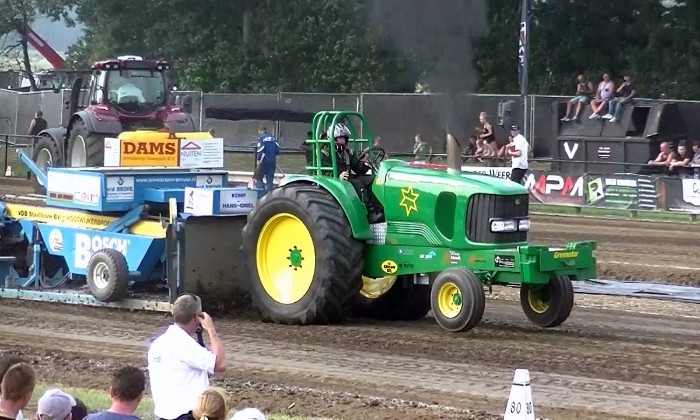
column 123, row 94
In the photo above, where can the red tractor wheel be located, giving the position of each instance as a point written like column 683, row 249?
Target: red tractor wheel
column 84, row 148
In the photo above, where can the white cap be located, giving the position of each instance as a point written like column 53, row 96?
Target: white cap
column 248, row 414
column 55, row 404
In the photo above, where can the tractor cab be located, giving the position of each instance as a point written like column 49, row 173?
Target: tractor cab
column 341, row 148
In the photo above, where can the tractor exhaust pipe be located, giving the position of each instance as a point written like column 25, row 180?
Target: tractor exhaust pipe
column 454, row 160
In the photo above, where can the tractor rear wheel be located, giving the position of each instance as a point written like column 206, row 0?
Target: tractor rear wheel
column 46, row 153
column 404, row 301
column 85, row 149
column 458, row 300
column 549, row 305
column 303, row 261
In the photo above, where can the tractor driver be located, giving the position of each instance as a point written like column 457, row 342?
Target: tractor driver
column 342, row 135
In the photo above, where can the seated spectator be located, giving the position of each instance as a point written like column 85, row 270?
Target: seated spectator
column 5, row 364
column 126, row 391
column 605, row 92
column 248, row 414
column 584, row 91
column 213, row 404
column 55, row 405
column 79, row 410
column 625, row 94
column 422, row 150
column 17, row 387
column 470, row 149
column 681, row 163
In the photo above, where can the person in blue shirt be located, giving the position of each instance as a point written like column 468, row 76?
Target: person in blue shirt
column 266, row 157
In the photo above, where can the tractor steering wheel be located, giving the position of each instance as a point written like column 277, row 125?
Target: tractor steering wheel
column 377, row 155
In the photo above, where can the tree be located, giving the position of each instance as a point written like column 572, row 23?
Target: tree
column 17, row 15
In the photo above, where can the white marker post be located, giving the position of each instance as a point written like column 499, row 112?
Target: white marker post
column 520, row 406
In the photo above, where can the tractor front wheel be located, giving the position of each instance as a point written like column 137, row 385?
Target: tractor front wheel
column 46, row 153
column 549, row 305
column 85, row 149
column 457, row 299
column 303, row 261
column 404, row 301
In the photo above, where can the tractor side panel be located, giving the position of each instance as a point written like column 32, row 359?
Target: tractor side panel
column 212, row 259
column 99, row 126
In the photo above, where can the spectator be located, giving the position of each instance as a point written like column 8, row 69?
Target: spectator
column 5, row 364
column 126, row 391
column 421, row 150
column 213, row 404
column 680, row 164
column 55, row 405
column 471, row 148
column 79, row 410
column 267, row 151
column 518, row 149
column 178, row 366
column 37, row 124
column 487, row 133
column 606, row 89
column 625, row 93
column 306, row 148
column 17, row 387
column 584, row 91
column 663, row 160
column 248, row 414
column 695, row 162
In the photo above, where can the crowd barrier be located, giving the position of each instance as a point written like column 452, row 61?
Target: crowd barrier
column 620, row 191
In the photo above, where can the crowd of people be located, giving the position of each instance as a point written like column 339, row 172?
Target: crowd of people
column 606, row 101
column 179, row 366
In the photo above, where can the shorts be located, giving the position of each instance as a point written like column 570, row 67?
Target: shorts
column 580, row 98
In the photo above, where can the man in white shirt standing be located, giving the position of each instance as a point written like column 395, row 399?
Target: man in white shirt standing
column 178, row 366
column 518, row 149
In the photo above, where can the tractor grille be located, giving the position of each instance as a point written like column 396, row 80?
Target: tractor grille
column 483, row 207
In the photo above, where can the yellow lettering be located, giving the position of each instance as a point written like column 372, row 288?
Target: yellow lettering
column 560, row 255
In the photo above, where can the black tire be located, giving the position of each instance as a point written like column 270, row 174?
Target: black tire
column 339, row 260
column 115, row 287
column 46, row 152
column 94, row 146
column 471, row 294
column 404, row 301
column 551, row 305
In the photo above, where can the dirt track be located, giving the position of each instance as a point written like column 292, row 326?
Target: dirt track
column 601, row 364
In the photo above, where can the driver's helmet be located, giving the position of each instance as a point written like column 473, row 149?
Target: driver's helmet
column 340, row 130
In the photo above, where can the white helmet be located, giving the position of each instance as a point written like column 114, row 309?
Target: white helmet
column 339, row 131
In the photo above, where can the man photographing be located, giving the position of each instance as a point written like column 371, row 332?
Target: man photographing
column 178, row 366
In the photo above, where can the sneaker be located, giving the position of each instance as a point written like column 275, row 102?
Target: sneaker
column 593, row 116
column 577, row 118
column 565, row 119
column 613, row 119
column 607, row 116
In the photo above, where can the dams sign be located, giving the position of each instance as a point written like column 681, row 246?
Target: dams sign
column 185, row 153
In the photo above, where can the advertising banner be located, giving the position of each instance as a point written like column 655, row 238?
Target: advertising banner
column 621, row 191
column 555, row 188
column 681, row 194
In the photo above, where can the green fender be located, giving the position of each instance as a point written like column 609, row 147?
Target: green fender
column 345, row 195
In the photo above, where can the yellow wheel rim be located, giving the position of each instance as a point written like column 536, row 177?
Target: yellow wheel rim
column 449, row 300
column 372, row 288
column 286, row 258
column 538, row 300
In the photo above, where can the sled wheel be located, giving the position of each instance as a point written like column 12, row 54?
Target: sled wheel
column 304, row 263
column 85, row 149
column 108, row 275
column 457, row 299
column 46, row 153
column 549, row 305
column 404, row 301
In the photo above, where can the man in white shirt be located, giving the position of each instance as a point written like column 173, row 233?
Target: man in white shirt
column 178, row 366
column 518, row 149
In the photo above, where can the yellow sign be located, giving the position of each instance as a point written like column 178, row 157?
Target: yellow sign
column 149, row 153
column 79, row 219
column 409, row 200
column 389, row 267
column 560, row 255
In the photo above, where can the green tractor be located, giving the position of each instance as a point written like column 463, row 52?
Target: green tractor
column 400, row 241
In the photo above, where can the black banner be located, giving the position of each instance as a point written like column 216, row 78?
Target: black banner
column 621, row 191
column 680, row 194
column 556, row 188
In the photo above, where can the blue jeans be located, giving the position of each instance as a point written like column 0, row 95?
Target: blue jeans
column 615, row 107
column 267, row 170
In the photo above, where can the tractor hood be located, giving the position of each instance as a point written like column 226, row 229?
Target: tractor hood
column 395, row 170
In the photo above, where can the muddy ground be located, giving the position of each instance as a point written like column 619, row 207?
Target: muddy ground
column 615, row 358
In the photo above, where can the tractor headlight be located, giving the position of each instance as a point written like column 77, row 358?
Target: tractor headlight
column 509, row 225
